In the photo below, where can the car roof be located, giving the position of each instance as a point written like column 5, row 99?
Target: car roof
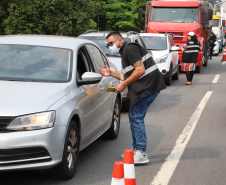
column 44, row 40
column 105, row 33
column 152, row 34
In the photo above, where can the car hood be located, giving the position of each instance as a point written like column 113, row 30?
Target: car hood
column 117, row 61
column 19, row 98
column 157, row 54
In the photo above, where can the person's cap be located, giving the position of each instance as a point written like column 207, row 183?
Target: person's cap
column 191, row 33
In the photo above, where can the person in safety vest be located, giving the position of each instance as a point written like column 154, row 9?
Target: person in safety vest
column 144, row 81
column 213, row 39
column 190, row 54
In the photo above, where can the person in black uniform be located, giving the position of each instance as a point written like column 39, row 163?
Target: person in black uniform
column 190, row 54
column 213, row 38
column 144, row 81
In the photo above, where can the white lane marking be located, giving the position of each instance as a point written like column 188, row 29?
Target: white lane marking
column 171, row 162
column 216, row 78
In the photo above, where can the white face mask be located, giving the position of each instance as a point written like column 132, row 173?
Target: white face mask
column 113, row 49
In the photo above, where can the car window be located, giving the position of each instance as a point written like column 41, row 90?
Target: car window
column 171, row 41
column 35, row 63
column 155, row 42
column 96, row 56
column 102, row 43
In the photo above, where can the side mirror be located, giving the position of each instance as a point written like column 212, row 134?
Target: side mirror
column 140, row 13
column 223, row 22
column 90, row 78
column 175, row 48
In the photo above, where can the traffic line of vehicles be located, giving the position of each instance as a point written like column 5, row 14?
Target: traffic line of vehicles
column 54, row 102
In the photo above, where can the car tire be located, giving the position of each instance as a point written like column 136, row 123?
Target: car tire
column 168, row 77
column 176, row 75
column 112, row 132
column 67, row 168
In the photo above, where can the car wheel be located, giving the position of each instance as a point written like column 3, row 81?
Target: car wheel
column 168, row 77
column 67, row 168
column 176, row 75
column 112, row 132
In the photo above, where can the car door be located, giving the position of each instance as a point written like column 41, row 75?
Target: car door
column 104, row 108
column 88, row 99
column 173, row 54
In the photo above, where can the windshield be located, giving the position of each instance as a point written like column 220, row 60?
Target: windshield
column 155, row 43
column 189, row 15
column 215, row 22
column 102, row 43
column 35, row 63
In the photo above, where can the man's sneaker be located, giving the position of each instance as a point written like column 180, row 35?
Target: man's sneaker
column 140, row 157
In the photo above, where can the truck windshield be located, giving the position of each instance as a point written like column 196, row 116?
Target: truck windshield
column 215, row 22
column 154, row 43
column 188, row 15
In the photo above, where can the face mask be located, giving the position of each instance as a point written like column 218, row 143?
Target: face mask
column 113, row 49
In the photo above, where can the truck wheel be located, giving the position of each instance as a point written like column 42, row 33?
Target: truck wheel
column 198, row 69
column 112, row 132
column 67, row 168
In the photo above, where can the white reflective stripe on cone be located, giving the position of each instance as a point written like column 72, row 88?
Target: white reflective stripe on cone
column 129, row 171
column 115, row 181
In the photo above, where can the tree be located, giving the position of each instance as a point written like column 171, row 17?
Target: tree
column 120, row 14
column 53, row 17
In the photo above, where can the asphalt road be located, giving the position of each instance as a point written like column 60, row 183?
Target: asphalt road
column 185, row 127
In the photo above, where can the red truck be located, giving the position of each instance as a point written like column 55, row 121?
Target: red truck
column 179, row 18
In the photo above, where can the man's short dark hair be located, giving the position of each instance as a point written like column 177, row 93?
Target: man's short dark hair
column 115, row 33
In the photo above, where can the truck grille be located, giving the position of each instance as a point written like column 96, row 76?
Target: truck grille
column 20, row 156
column 4, row 121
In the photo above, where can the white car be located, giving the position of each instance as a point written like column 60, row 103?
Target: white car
column 167, row 60
column 216, row 49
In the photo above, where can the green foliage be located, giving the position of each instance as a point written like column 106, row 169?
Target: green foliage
column 69, row 17
column 53, row 17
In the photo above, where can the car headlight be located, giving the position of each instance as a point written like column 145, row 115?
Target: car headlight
column 161, row 59
column 33, row 121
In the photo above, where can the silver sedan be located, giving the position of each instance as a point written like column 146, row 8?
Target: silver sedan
column 53, row 102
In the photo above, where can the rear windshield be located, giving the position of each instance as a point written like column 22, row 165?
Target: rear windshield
column 155, row 43
column 102, row 43
column 35, row 63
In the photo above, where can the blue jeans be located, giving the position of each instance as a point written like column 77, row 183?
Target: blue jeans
column 136, row 119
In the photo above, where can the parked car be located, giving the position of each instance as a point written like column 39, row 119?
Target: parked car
column 165, row 58
column 53, row 102
column 99, row 37
column 216, row 49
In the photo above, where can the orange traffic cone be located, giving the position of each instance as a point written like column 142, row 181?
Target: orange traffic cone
column 118, row 174
column 129, row 170
column 224, row 55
